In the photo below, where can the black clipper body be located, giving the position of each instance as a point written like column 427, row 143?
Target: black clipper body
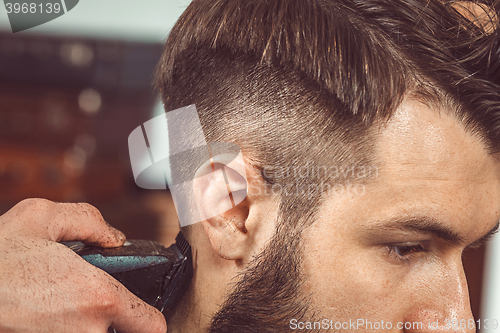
column 156, row 274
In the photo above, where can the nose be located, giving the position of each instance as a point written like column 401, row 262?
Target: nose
column 442, row 302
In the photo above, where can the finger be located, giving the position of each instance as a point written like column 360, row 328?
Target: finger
column 68, row 222
column 135, row 316
column 83, row 222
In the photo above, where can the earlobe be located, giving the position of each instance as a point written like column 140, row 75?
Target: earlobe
column 220, row 189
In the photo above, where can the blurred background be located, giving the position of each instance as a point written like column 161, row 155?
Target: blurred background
column 72, row 90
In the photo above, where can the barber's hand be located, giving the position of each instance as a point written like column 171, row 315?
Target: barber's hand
column 46, row 287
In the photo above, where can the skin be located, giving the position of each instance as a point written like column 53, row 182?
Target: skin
column 391, row 252
column 46, row 287
column 378, row 254
column 430, row 168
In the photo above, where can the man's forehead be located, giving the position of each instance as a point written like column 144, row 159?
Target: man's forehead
column 427, row 141
column 430, row 169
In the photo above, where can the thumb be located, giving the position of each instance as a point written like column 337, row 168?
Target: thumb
column 61, row 222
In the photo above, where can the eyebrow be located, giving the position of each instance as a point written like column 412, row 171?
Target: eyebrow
column 430, row 226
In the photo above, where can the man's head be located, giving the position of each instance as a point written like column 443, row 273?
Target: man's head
column 369, row 130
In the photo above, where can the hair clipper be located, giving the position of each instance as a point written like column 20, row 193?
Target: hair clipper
column 156, row 274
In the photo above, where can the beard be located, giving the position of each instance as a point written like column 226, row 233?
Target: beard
column 268, row 294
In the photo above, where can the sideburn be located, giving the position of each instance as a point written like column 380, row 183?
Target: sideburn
column 267, row 295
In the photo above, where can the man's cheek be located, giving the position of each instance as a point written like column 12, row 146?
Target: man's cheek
column 343, row 288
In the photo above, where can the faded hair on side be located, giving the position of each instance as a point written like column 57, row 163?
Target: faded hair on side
column 305, row 83
column 296, row 82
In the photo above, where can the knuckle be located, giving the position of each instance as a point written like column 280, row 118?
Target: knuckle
column 35, row 204
column 90, row 211
column 106, row 300
column 100, row 298
column 28, row 212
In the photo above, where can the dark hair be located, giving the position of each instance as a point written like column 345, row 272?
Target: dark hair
column 290, row 80
column 303, row 82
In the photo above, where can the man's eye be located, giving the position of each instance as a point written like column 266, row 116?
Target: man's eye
column 405, row 251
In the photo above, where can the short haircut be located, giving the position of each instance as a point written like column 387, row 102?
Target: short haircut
column 302, row 82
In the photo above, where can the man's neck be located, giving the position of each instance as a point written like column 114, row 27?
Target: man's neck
column 188, row 315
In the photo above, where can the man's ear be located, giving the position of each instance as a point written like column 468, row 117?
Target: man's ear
column 220, row 190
